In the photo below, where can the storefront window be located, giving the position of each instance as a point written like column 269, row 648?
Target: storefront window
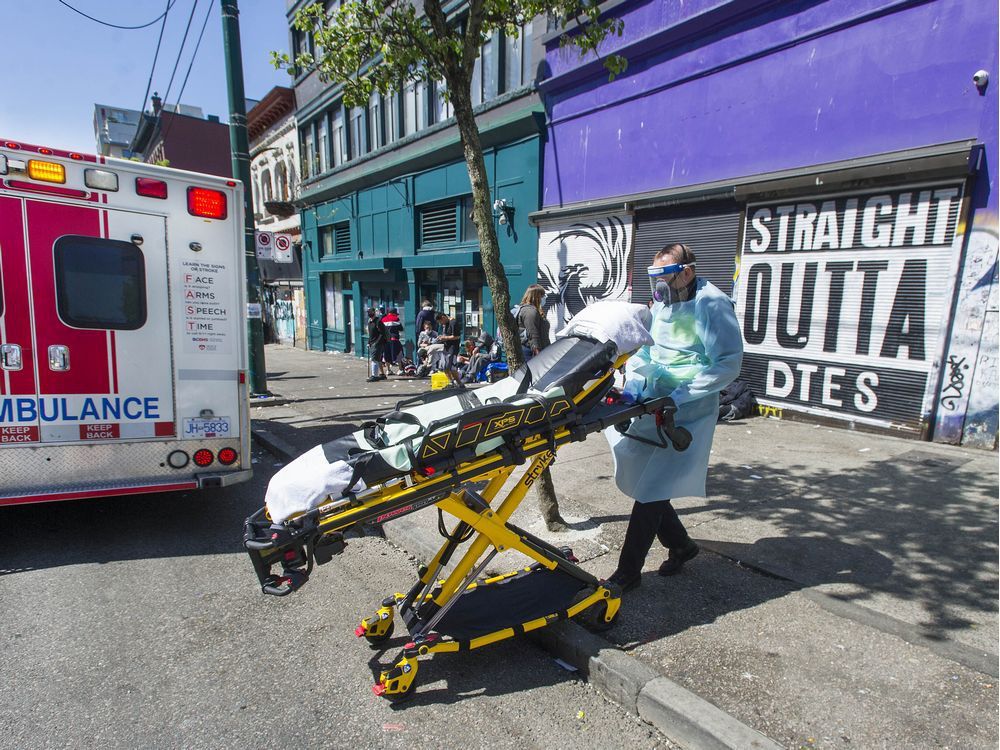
column 333, row 297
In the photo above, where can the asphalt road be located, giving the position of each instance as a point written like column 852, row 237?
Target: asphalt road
column 137, row 622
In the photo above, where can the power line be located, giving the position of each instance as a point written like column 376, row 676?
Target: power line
column 149, row 83
column 114, row 25
column 190, row 65
column 166, row 96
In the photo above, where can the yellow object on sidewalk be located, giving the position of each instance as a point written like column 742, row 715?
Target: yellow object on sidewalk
column 439, row 380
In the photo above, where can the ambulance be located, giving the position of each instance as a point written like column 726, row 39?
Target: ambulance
column 122, row 330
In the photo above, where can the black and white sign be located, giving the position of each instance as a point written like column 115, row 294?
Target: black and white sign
column 843, row 300
column 265, row 245
column 282, row 248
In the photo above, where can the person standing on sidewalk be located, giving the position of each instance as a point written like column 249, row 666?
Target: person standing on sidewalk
column 376, row 346
column 425, row 315
column 697, row 351
column 394, row 345
column 451, row 337
column 531, row 319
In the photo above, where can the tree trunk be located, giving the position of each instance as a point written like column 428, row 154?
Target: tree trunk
column 548, row 504
column 482, row 215
column 496, row 277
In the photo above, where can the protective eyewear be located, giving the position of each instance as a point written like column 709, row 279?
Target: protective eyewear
column 660, row 279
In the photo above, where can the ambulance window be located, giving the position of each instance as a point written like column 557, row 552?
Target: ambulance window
column 100, row 283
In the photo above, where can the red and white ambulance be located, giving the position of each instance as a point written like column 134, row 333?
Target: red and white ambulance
column 122, row 330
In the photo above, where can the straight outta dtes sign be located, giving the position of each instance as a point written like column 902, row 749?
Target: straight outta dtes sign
column 843, row 300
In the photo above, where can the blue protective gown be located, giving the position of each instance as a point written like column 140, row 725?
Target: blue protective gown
column 697, row 351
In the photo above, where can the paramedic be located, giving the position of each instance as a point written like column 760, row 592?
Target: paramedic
column 697, row 351
column 376, row 346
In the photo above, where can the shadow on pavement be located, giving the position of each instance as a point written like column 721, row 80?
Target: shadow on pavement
column 914, row 527
column 711, row 587
column 135, row 527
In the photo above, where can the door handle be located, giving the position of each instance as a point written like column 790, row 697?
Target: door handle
column 59, row 357
column 10, row 357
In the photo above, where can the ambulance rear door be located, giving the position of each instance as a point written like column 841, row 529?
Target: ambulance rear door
column 18, row 387
column 100, row 311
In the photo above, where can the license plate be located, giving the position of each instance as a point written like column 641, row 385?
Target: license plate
column 215, row 427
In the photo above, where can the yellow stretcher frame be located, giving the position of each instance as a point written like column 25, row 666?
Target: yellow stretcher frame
column 476, row 515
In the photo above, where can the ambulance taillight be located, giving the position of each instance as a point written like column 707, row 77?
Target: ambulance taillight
column 150, row 188
column 203, row 457
column 210, row 204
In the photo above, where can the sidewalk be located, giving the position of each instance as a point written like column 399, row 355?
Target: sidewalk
column 846, row 594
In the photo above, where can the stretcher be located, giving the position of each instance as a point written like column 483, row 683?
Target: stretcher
column 456, row 450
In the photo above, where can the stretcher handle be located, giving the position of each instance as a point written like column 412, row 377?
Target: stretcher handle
column 259, row 546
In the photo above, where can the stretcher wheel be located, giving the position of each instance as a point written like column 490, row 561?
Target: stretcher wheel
column 375, row 640
column 594, row 617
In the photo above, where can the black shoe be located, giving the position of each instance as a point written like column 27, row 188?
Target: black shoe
column 373, row 379
column 677, row 557
column 625, row 581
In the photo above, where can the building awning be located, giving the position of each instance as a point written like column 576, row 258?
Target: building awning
column 443, row 259
column 359, row 264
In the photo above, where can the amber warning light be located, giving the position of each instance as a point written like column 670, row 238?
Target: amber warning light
column 46, row 171
column 208, row 203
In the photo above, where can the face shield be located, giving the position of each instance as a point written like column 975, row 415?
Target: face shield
column 661, row 283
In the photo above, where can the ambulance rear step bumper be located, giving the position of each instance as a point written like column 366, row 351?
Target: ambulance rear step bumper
column 112, row 489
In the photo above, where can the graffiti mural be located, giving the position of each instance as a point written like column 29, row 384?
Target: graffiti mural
column 582, row 262
column 968, row 393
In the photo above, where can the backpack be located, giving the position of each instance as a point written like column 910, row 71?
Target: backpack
column 736, row 401
column 522, row 334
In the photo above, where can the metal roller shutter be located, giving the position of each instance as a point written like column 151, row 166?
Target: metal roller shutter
column 845, row 300
column 711, row 230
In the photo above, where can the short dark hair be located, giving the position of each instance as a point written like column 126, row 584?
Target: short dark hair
column 678, row 251
column 441, row 316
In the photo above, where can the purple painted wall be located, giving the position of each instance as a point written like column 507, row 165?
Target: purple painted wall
column 776, row 86
column 719, row 91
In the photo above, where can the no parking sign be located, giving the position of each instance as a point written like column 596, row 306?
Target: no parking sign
column 282, row 248
column 265, row 245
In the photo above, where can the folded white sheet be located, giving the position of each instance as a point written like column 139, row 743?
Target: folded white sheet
column 305, row 483
column 621, row 322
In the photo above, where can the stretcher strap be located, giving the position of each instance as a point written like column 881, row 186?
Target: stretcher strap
column 375, row 431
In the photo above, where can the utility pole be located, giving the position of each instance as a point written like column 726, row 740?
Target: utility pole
column 240, row 147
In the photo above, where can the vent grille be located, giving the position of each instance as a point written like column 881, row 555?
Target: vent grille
column 342, row 237
column 439, row 224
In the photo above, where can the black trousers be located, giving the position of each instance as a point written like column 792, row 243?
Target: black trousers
column 649, row 521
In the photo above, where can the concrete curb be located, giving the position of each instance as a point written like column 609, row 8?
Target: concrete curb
column 682, row 716
column 679, row 714
column 278, row 447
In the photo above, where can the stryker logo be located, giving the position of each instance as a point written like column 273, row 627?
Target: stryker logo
column 78, row 409
column 404, row 510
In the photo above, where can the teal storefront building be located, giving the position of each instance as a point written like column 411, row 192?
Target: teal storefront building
column 410, row 237
column 385, row 199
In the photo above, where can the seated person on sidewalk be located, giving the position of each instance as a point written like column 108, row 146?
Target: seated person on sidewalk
column 697, row 351
column 482, row 354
